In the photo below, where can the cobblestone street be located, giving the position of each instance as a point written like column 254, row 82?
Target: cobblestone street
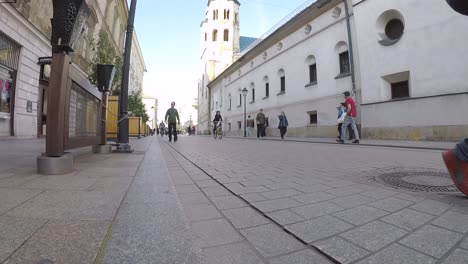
column 232, row 201
column 321, row 202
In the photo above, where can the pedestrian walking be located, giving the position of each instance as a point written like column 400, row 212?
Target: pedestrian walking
column 193, row 130
column 172, row 119
column 162, row 128
column 283, row 124
column 189, row 130
column 350, row 119
column 341, row 117
column 250, row 126
column 456, row 161
column 260, row 124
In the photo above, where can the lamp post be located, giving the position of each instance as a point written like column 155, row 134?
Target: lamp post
column 123, row 141
column 244, row 93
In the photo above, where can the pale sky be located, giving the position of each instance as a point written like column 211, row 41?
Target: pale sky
column 169, row 36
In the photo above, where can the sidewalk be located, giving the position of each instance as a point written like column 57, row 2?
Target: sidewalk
column 430, row 145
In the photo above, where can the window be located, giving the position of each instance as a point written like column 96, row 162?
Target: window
column 226, row 35
column 240, row 99
column 239, row 125
column 206, row 36
column 215, row 35
column 313, row 73
column 228, row 14
column 400, row 90
column 230, row 102
column 344, row 63
column 214, row 14
column 229, row 126
column 283, row 84
column 267, row 89
column 312, row 117
column 394, row 29
column 253, row 94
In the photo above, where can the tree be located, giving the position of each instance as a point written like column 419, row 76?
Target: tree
column 104, row 53
column 195, row 104
column 136, row 106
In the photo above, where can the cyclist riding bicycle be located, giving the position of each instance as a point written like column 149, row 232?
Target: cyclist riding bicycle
column 216, row 120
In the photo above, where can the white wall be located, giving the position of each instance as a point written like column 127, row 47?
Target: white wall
column 321, row 42
column 34, row 45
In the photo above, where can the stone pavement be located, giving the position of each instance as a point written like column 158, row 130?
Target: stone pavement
column 227, row 201
column 327, row 197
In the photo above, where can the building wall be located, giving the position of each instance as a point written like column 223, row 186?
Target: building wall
column 293, row 54
column 137, row 67
column 215, row 55
column 28, row 24
column 433, row 56
column 33, row 45
column 151, row 107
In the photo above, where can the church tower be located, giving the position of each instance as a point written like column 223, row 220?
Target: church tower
column 219, row 46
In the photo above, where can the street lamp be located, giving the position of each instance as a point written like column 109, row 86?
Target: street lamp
column 244, row 93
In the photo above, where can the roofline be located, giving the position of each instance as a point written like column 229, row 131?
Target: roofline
column 313, row 11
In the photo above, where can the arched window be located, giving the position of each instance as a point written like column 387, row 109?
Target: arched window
column 214, row 14
column 228, row 14
column 206, row 36
column 230, row 102
column 311, row 66
column 282, row 76
column 252, row 88
column 267, row 86
column 215, row 35
column 226, row 35
column 343, row 57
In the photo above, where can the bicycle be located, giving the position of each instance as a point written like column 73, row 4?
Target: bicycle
column 218, row 130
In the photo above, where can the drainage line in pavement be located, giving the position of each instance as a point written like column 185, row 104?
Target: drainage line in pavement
column 258, row 210
column 333, row 143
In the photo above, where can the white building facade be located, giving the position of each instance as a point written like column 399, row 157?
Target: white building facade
column 137, row 67
column 304, row 66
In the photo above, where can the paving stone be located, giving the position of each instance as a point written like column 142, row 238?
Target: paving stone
column 198, row 212
column 275, row 205
column 206, row 183
column 13, row 197
column 60, row 241
column 216, row 191
column 62, row 204
column 352, row 200
column 271, row 241
column 431, row 207
column 360, row 215
column 111, row 184
column 215, row 232
column 231, row 180
column 227, row 202
column 313, row 188
column 280, row 193
column 318, row 228
column 432, row 240
column 341, row 250
column 60, row 182
column 397, row 254
column 239, row 253
column 200, row 177
column 409, row 197
column 253, row 197
column 374, row 236
column 464, row 244
column 306, row 256
column 245, row 217
column 17, row 180
column 14, row 232
column 193, row 198
column 308, row 181
column 454, row 221
column 285, row 217
column 257, row 182
column 314, row 197
column 338, row 184
column 408, row 219
column 190, row 188
column 391, row 204
column 379, row 193
column 459, row 256
column 345, row 191
column 317, row 209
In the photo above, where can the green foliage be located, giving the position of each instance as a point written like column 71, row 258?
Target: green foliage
column 104, row 53
column 195, row 104
column 136, row 106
